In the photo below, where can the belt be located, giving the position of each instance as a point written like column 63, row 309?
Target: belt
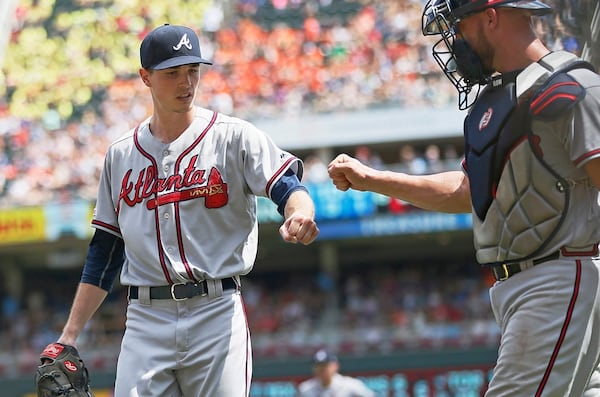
column 181, row 291
column 506, row 270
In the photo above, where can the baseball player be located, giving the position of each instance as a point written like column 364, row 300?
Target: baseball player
column 328, row 382
column 531, row 179
column 176, row 212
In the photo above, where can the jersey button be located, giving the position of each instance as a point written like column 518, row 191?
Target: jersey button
column 166, row 215
column 166, row 153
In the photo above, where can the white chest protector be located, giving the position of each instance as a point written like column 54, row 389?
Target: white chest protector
column 523, row 181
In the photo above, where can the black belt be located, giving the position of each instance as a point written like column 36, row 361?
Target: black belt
column 182, row 291
column 506, row 270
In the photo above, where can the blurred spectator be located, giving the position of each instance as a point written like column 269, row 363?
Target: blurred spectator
column 315, row 170
column 367, row 156
column 212, row 19
column 433, row 158
column 451, row 157
column 411, row 161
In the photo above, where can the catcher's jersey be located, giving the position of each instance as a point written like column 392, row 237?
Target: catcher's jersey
column 186, row 210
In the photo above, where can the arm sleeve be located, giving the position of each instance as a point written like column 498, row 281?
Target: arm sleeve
column 282, row 189
column 105, row 257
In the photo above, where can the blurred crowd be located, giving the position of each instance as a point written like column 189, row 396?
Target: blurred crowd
column 71, row 84
column 379, row 308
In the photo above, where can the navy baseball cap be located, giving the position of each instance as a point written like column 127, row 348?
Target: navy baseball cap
column 323, row 357
column 168, row 46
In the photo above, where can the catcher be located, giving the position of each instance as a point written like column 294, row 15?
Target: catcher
column 62, row 373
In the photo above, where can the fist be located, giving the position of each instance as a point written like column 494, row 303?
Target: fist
column 299, row 229
column 347, row 172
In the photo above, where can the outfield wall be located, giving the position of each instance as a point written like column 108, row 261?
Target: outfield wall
column 447, row 373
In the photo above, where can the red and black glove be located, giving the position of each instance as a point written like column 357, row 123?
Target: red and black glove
column 62, row 373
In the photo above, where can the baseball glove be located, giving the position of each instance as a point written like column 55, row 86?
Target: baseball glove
column 62, row 373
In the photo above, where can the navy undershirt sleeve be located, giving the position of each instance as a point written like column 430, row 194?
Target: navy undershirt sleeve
column 282, row 189
column 105, row 257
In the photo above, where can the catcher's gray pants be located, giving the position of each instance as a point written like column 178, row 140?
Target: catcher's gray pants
column 550, row 320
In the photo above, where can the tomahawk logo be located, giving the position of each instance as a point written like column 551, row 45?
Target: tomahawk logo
column 485, row 119
column 184, row 42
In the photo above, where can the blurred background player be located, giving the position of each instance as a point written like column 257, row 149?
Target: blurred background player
column 328, row 382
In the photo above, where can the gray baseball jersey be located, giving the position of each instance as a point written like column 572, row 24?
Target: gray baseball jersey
column 341, row 386
column 187, row 210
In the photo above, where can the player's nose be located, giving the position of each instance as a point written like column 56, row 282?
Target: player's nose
column 185, row 81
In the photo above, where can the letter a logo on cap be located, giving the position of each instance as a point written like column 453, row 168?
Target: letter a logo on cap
column 183, row 42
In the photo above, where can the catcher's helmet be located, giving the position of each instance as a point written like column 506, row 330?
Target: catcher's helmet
column 458, row 60
column 460, row 8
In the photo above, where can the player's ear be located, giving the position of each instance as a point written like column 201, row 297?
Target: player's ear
column 491, row 17
column 145, row 76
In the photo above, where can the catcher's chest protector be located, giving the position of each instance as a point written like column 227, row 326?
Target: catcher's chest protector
column 518, row 200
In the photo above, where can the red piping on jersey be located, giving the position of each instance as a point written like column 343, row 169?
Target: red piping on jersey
column 579, row 159
column 549, row 91
column 276, row 175
column 106, row 226
column 247, row 342
column 550, row 100
column 186, row 264
column 161, row 253
column 563, row 331
column 537, row 106
column 492, row 2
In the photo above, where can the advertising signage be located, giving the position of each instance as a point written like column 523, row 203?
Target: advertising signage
column 470, row 381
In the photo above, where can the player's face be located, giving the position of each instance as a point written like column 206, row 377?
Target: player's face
column 324, row 372
column 471, row 28
column 174, row 89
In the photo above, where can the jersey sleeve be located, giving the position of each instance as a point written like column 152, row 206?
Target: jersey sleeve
column 105, row 213
column 264, row 162
column 585, row 124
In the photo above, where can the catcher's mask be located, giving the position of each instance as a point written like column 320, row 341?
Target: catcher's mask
column 461, row 64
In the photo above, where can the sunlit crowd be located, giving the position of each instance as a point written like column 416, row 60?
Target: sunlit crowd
column 71, row 86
